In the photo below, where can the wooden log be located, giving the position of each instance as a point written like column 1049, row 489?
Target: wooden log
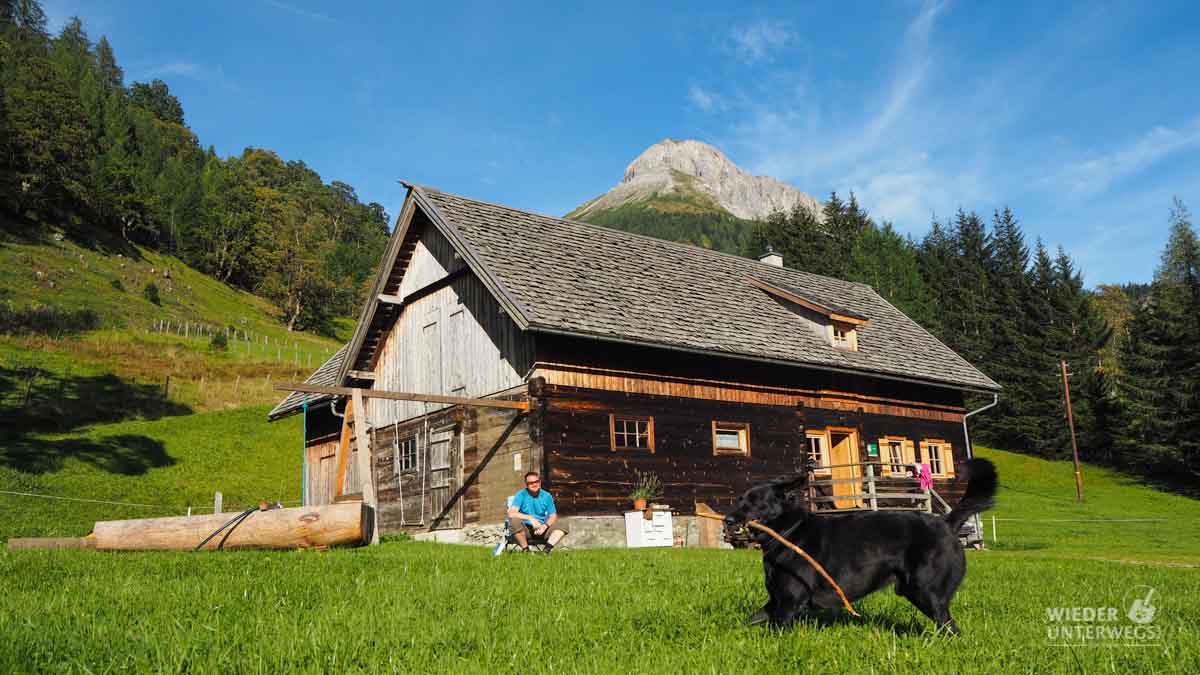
column 402, row 396
column 47, row 543
column 300, row 527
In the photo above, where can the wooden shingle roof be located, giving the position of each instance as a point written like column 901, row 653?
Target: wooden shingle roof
column 325, row 376
column 563, row 276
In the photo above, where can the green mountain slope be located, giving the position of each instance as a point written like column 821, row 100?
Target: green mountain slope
column 686, row 216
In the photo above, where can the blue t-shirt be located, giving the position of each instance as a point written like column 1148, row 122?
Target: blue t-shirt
column 539, row 507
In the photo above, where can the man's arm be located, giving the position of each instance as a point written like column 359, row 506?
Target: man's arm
column 514, row 513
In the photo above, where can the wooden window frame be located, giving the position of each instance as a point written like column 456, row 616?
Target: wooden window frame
column 824, row 436
column 743, row 429
column 850, row 344
column 416, row 455
column 907, row 455
column 947, row 457
column 612, row 433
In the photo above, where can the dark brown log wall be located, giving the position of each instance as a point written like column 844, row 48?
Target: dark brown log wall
column 587, row 477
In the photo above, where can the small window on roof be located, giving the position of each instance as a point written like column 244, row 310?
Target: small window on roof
column 843, row 336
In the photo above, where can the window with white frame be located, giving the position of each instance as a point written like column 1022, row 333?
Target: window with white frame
column 896, row 455
column 938, row 456
column 843, row 336
column 818, row 449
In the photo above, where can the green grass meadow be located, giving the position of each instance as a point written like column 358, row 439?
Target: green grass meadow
column 408, row 606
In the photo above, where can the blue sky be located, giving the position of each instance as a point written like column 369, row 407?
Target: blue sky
column 1084, row 119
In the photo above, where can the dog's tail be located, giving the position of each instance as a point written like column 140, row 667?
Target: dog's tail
column 982, row 482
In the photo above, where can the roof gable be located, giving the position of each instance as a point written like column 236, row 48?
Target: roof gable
column 562, row 276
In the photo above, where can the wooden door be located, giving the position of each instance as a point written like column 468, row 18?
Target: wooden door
column 445, row 465
column 843, row 450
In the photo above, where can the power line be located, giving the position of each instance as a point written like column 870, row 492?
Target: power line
column 76, row 499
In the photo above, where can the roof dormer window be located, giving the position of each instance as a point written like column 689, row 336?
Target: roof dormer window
column 840, row 325
column 843, row 336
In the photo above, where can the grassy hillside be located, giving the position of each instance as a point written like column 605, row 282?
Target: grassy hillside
column 163, row 464
column 65, row 274
column 1119, row 519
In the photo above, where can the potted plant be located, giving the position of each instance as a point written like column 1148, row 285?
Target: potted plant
column 647, row 486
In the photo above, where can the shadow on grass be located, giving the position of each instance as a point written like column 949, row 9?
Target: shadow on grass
column 34, row 402
column 126, row 454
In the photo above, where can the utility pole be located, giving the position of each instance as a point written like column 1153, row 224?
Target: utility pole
column 1071, row 424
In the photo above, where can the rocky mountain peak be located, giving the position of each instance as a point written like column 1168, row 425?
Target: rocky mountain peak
column 696, row 169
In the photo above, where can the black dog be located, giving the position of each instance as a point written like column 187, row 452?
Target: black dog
column 864, row 551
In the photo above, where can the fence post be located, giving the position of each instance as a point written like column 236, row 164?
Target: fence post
column 217, row 502
column 993, row 530
column 871, row 486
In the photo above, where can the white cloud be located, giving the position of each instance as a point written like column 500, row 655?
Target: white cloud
column 299, row 10
column 756, row 41
column 1095, row 175
column 180, row 68
column 703, row 99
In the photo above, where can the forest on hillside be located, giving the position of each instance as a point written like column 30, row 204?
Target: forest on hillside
column 1133, row 351
column 114, row 166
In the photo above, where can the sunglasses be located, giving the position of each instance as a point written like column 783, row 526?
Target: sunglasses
column 532, row 482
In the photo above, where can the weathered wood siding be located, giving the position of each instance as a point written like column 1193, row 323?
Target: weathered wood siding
column 587, row 477
column 591, row 364
column 454, row 341
column 490, row 452
column 322, row 430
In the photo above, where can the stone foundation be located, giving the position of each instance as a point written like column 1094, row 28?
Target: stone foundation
column 585, row 532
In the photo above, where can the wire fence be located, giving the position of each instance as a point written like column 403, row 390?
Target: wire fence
column 248, row 342
column 165, row 509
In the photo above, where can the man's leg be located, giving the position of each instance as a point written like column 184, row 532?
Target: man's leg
column 520, row 536
column 557, row 532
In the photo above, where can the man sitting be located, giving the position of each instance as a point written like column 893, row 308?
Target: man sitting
column 533, row 514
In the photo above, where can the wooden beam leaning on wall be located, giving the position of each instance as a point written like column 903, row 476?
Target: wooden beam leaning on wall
column 401, row 396
column 366, row 476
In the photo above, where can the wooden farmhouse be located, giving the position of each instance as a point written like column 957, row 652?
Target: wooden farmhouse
column 522, row 341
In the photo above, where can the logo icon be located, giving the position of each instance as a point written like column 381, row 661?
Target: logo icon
column 1139, row 600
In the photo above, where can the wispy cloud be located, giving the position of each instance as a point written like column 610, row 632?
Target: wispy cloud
column 1090, row 176
column 704, row 99
column 179, row 68
column 299, row 11
column 756, row 41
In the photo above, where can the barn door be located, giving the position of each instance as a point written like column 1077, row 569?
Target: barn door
column 445, row 463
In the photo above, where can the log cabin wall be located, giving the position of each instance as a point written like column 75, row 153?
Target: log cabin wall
column 587, row 477
column 594, row 364
column 451, row 338
column 322, row 431
column 589, row 381
column 490, row 451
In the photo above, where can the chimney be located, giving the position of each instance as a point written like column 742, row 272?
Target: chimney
column 771, row 257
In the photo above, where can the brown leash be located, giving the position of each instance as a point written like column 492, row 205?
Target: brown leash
column 799, row 551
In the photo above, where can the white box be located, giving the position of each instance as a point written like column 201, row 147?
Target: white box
column 641, row 533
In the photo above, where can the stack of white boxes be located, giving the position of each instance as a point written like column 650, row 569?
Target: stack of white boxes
column 641, row 533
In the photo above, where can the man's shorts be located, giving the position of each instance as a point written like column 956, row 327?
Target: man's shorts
column 558, row 525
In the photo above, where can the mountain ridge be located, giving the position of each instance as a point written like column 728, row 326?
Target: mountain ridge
column 695, row 172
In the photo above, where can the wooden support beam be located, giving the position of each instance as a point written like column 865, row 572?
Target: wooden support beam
column 366, row 478
column 391, row 299
column 402, row 396
column 361, row 374
column 343, row 452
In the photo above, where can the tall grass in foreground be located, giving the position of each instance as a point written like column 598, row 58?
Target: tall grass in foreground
column 411, row 607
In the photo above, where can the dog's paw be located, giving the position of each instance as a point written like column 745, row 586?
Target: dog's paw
column 758, row 618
